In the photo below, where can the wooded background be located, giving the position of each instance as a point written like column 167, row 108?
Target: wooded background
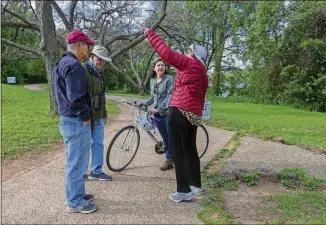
column 270, row 52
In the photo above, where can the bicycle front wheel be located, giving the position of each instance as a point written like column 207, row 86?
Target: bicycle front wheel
column 122, row 148
column 202, row 140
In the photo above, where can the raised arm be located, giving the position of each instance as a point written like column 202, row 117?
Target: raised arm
column 173, row 58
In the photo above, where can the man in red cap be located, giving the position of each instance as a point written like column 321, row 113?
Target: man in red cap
column 74, row 107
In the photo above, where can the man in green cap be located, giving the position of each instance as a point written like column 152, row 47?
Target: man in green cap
column 96, row 89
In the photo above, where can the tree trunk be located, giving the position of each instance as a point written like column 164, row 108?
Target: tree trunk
column 48, row 44
column 218, row 63
column 141, row 91
column 221, row 34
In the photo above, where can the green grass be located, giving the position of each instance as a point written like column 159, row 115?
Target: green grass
column 221, row 156
column 294, row 125
column 44, row 86
column 213, row 210
column 111, row 109
column 212, row 205
column 298, row 178
column 111, row 92
column 298, row 208
column 26, row 123
column 121, row 93
column 251, row 178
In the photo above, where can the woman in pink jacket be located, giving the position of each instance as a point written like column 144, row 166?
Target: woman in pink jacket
column 185, row 111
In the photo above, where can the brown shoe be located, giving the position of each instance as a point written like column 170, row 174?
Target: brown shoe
column 168, row 164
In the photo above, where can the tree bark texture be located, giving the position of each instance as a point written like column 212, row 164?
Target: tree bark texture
column 48, row 44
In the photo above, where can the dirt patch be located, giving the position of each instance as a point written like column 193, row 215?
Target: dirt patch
column 29, row 160
column 11, row 167
column 245, row 204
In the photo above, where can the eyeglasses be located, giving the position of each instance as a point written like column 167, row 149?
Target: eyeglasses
column 84, row 43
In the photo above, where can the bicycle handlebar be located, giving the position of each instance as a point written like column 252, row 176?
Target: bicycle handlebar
column 134, row 104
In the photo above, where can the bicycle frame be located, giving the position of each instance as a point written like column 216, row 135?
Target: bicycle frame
column 136, row 113
column 133, row 127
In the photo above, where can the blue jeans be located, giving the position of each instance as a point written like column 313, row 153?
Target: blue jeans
column 97, row 147
column 162, row 126
column 77, row 139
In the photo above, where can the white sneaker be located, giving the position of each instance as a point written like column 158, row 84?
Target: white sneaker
column 196, row 190
column 179, row 197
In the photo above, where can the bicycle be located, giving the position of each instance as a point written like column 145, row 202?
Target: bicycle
column 128, row 146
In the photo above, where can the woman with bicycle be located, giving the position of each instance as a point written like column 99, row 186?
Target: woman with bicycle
column 161, row 86
column 185, row 111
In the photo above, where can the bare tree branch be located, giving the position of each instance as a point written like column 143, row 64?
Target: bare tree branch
column 103, row 32
column 158, row 22
column 214, row 47
column 22, row 25
column 61, row 44
column 62, row 16
column 5, row 6
column 121, row 37
column 147, row 66
column 110, row 11
column 30, row 6
column 20, row 18
column 73, row 5
column 16, row 34
column 37, row 53
column 133, row 68
column 170, row 36
column 141, row 37
column 27, row 55
column 125, row 75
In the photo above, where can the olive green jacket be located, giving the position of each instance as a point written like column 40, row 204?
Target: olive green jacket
column 96, row 86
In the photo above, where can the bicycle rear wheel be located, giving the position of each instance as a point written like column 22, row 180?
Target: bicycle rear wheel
column 122, row 148
column 202, row 140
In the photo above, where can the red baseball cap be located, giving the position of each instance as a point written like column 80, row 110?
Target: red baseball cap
column 78, row 36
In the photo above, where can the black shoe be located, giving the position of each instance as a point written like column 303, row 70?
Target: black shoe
column 89, row 197
column 101, row 176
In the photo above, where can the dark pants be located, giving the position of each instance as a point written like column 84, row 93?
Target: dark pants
column 182, row 144
column 162, row 126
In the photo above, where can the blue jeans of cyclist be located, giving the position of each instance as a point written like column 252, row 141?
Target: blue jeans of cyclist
column 97, row 146
column 162, row 126
column 77, row 139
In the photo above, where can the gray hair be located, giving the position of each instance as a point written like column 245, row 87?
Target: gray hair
column 71, row 47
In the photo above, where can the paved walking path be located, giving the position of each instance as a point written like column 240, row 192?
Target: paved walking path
column 34, row 87
column 139, row 193
column 255, row 153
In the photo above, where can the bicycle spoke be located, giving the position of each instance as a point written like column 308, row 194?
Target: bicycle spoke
column 123, row 148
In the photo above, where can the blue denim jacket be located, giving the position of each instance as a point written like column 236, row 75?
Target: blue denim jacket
column 160, row 93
